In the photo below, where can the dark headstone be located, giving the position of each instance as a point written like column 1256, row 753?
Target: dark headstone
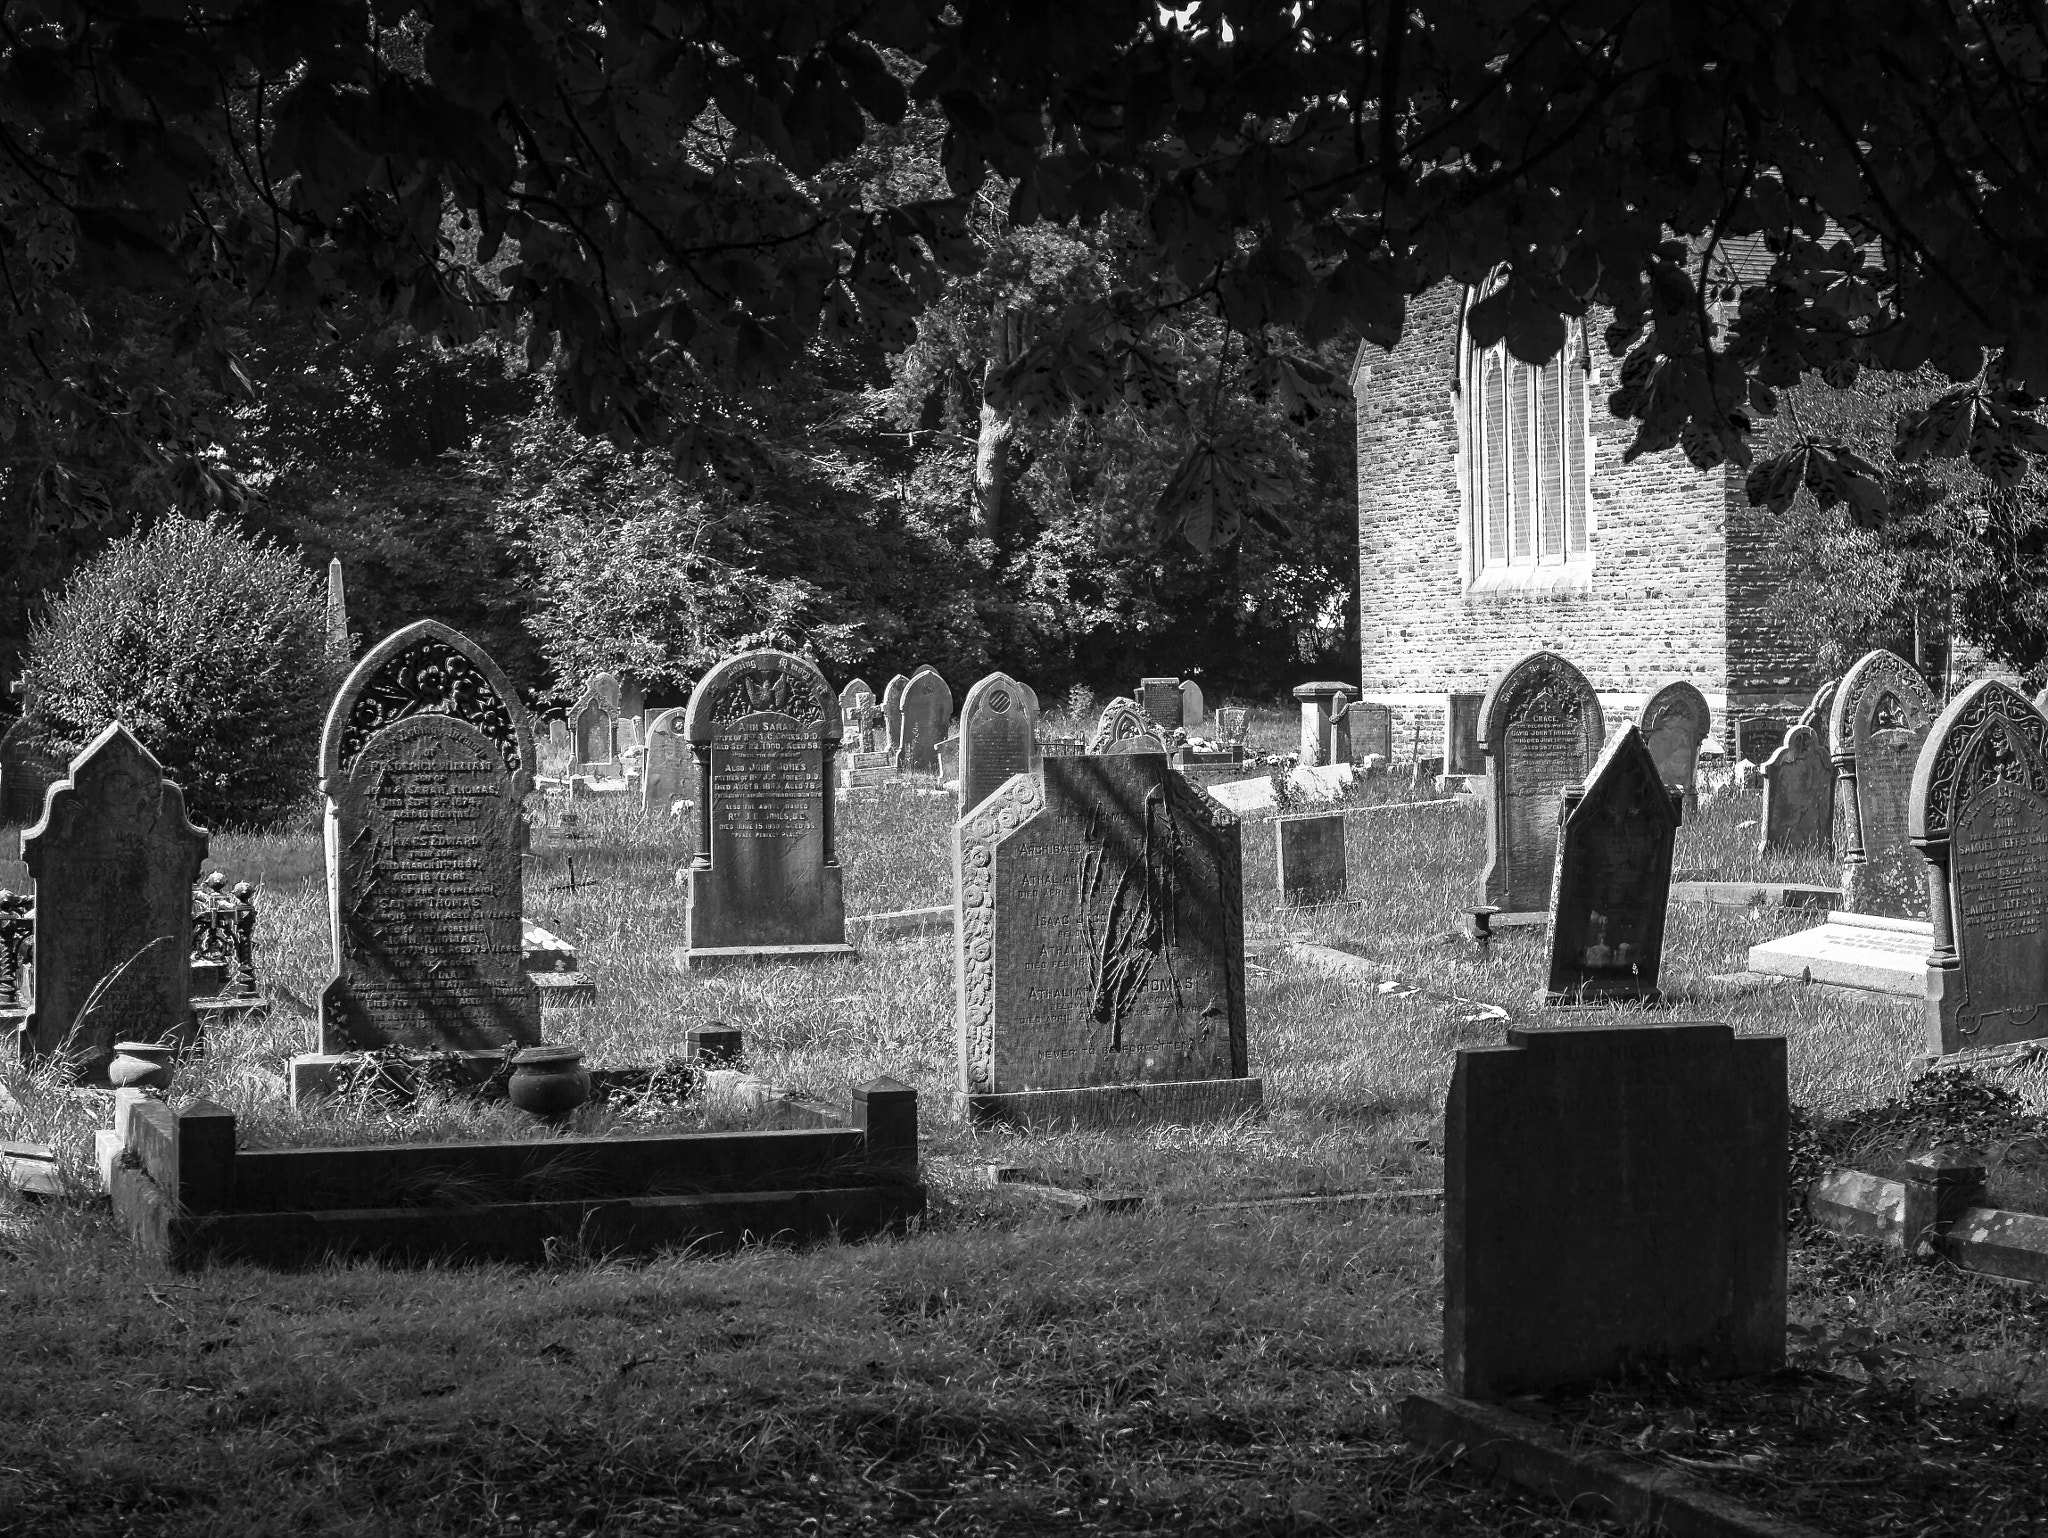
column 1758, row 737
column 665, row 768
column 1614, row 1204
column 1613, row 879
column 1372, row 731
column 114, row 859
column 1876, row 725
column 1799, row 795
column 927, row 708
column 1542, row 729
column 425, row 762
column 1676, row 720
column 1311, row 858
column 998, row 738
column 765, row 883
column 1160, row 699
column 1464, row 748
column 1980, row 817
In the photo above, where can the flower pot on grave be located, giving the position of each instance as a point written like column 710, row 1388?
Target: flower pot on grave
column 548, row 1081
column 142, row 1064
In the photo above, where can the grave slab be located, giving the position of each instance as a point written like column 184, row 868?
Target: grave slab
column 1853, row 950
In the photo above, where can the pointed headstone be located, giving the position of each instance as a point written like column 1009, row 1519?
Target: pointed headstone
column 1542, row 729
column 591, row 747
column 1121, row 720
column 1676, row 719
column 998, row 738
column 1876, row 724
column 1799, row 795
column 1612, row 879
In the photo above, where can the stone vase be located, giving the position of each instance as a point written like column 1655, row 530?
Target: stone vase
column 142, row 1065
column 548, row 1081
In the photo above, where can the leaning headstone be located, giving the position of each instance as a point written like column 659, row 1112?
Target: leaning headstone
column 665, row 769
column 1799, row 795
column 998, row 738
column 1100, row 948
column 1758, row 737
column 1194, row 709
column 1676, row 719
column 1876, row 725
column 1121, row 720
column 765, row 884
column 1311, row 858
column 1316, row 699
column 1613, row 878
column 1542, row 729
column 1372, row 731
column 927, row 714
column 114, row 859
column 892, row 712
column 1464, row 748
column 426, row 761
column 1980, row 816
column 1614, row 1204
column 1160, row 699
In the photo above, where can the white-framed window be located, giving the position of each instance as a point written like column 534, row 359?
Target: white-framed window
column 1528, row 461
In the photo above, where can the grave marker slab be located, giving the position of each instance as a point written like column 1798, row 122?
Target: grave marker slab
column 1613, row 878
column 114, row 858
column 1100, row 948
column 1372, row 730
column 892, row 711
column 1194, row 709
column 1980, row 816
column 1542, row 729
column 1614, row 1202
column 765, row 883
column 1160, row 700
column 998, row 738
column 927, row 708
column 1311, row 858
column 1876, row 724
column 1799, row 795
column 1464, row 748
column 664, row 771
column 1676, row 719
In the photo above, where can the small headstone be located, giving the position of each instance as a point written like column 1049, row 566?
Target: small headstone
column 927, row 709
column 1758, row 737
column 1799, row 795
column 892, row 711
column 1311, row 856
column 1193, row 708
column 425, row 762
column 1876, row 725
column 1613, row 879
column 1464, row 749
column 1676, row 720
column 665, row 768
column 765, row 883
column 1121, row 720
column 1614, row 1204
column 1980, row 817
column 1316, row 699
column 1372, row 731
column 558, row 737
column 1160, row 698
column 1232, row 723
column 1542, row 729
column 114, row 859
column 998, row 738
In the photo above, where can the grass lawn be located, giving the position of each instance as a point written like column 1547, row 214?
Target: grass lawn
column 1005, row 1369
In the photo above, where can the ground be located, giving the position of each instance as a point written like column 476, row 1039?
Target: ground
column 1007, row 1368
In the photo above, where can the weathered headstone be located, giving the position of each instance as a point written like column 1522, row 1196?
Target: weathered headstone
column 591, row 748
column 1980, row 816
column 1100, row 949
column 1160, row 700
column 426, row 760
column 1815, row 715
column 1799, row 795
column 892, row 712
column 339, row 646
column 927, row 716
column 949, row 761
column 606, row 687
column 1194, row 710
column 1316, row 699
column 1464, row 746
column 1614, row 1203
column 626, row 736
column 1758, row 737
column 851, row 695
column 765, row 883
column 998, row 738
column 1311, row 858
column 1232, row 723
column 114, row 859
column 1613, row 878
column 665, row 770
column 1542, row 730
column 1876, row 725
column 1121, row 720
column 1372, row 731
column 558, row 737
column 1676, row 719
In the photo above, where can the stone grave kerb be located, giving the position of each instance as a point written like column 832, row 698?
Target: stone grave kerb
column 1676, row 719
column 1541, row 679
column 1610, row 945
column 113, row 781
column 1880, row 692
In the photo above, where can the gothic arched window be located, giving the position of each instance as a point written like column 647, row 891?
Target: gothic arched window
column 1528, row 456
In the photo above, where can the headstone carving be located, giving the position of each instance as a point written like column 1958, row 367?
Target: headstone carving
column 998, row 738
column 1676, row 720
column 114, row 858
column 1980, row 816
column 1194, row 710
column 1372, row 731
column 1876, row 725
column 927, row 708
column 1542, row 730
column 1100, row 947
column 1121, row 721
column 1613, row 878
column 765, row 883
column 664, row 769
column 426, row 760
column 1464, row 751
column 1311, row 858
column 892, row 712
column 1799, row 795
column 1159, row 698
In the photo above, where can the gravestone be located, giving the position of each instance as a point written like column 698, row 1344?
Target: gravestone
column 1160, row 700
column 1613, row 878
column 1311, row 858
column 591, row 749
column 1676, row 719
column 927, row 714
column 1799, row 795
column 949, row 761
column 1815, row 715
column 765, row 884
column 1372, row 731
column 631, row 699
column 626, row 736
column 1144, row 742
column 998, row 738
column 1100, row 948
column 1194, row 710
column 1121, row 721
column 558, row 737
column 1758, row 737
column 1464, row 748
column 1316, row 699
column 1542, row 729
column 1614, row 1205
column 1876, row 725
column 338, row 644
column 114, row 858
column 425, row 762
column 892, row 712
column 605, row 687
column 1232, row 722
column 664, row 770
column 1980, row 817
column 850, row 696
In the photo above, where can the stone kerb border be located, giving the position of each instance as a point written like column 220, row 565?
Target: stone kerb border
column 426, row 668
column 974, row 851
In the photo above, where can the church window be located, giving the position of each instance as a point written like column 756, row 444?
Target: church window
column 1527, row 451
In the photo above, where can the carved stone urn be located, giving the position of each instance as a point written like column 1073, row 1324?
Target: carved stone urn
column 142, row 1065
column 548, row 1081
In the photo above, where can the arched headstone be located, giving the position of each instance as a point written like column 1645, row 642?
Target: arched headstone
column 1676, row 719
column 1194, row 710
column 1121, row 720
column 591, row 742
column 1541, row 729
column 927, row 715
column 892, row 712
column 1876, row 724
column 998, row 738
column 664, row 770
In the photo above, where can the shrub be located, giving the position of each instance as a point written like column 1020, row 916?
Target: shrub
column 211, row 648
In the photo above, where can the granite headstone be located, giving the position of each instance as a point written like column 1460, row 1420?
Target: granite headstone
column 1311, row 858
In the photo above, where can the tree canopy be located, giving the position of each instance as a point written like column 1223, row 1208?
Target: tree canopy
column 662, row 195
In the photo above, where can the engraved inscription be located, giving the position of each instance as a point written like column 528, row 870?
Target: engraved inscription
column 765, row 776
column 1544, row 754
column 1890, row 881
column 1999, row 886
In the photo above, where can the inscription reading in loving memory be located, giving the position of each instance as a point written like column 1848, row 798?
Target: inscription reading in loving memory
column 1544, row 754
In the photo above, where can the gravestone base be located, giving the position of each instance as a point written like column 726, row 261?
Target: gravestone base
column 316, row 1075
column 1853, row 950
column 1184, row 1102
column 563, row 987
column 700, row 958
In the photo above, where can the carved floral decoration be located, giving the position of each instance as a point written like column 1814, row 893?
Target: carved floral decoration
column 430, row 678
